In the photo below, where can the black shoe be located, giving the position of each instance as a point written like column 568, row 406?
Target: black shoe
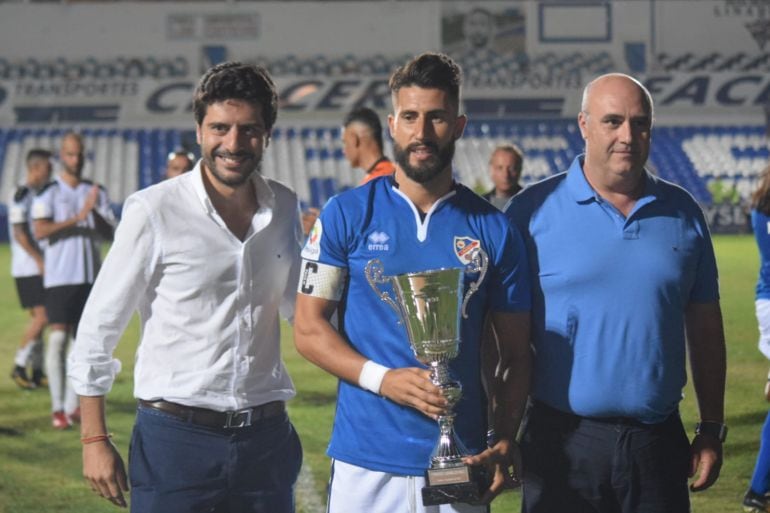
column 755, row 503
column 19, row 376
column 39, row 379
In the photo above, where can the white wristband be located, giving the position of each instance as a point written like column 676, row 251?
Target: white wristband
column 371, row 376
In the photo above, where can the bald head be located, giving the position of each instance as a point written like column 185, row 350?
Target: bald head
column 72, row 137
column 71, row 153
column 615, row 79
column 616, row 123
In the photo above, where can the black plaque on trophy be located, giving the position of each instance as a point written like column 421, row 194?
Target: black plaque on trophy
column 456, row 484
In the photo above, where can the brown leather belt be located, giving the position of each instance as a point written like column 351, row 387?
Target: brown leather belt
column 217, row 419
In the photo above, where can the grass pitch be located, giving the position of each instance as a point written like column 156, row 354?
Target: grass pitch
column 40, row 468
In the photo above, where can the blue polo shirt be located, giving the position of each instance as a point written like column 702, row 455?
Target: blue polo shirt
column 761, row 224
column 377, row 220
column 609, row 293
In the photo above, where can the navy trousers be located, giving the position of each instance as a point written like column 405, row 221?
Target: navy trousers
column 179, row 467
column 584, row 465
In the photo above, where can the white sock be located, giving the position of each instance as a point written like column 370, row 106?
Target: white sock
column 54, row 367
column 22, row 354
column 71, row 401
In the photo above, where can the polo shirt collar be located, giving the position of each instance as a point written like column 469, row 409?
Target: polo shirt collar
column 582, row 191
column 577, row 184
column 265, row 194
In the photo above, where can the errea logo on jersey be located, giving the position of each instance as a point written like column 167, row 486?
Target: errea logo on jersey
column 378, row 241
column 464, row 247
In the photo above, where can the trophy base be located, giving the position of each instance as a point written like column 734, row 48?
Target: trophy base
column 456, row 484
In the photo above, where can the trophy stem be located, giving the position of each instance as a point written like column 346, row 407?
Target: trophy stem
column 450, row 450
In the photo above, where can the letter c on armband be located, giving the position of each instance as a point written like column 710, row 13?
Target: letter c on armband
column 322, row 280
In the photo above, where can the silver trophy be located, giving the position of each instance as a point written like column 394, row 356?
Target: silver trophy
column 431, row 305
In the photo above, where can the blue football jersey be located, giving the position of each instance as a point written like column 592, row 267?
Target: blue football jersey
column 377, row 221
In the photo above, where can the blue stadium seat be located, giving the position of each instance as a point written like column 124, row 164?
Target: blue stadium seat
column 310, row 158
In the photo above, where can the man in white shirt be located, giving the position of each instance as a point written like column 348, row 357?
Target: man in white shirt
column 209, row 260
column 27, row 270
column 72, row 215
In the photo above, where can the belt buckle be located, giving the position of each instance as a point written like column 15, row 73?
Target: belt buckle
column 234, row 416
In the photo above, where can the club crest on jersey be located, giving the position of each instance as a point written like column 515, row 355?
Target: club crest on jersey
column 464, row 247
column 378, row 241
column 312, row 249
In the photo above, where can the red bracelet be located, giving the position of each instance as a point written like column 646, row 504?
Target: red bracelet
column 95, row 438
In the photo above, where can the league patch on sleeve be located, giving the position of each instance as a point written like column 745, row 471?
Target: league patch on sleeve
column 312, row 249
column 40, row 210
column 464, row 247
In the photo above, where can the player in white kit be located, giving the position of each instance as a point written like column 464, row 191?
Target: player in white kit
column 73, row 215
column 27, row 270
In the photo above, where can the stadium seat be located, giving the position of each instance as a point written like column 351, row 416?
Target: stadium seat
column 309, row 158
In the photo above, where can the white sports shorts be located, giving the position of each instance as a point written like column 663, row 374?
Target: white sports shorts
column 354, row 489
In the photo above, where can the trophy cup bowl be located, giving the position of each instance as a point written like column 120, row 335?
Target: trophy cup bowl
column 431, row 305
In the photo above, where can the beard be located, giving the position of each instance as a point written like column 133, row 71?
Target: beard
column 74, row 171
column 429, row 168
column 237, row 179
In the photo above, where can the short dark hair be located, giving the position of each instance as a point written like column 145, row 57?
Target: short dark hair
column 38, row 153
column 368, row 117
column 237, row 81
column 430, row 71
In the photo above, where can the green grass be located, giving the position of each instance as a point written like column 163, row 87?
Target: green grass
column 40, row 468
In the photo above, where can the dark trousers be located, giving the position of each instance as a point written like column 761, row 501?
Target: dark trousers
column 583, row 465
column 179, row 467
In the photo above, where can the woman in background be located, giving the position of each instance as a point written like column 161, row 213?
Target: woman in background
column 755, row 500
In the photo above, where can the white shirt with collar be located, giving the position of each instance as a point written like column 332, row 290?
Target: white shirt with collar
column 72, row 256
column 208, row 302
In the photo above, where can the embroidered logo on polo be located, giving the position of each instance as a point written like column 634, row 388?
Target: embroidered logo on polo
column 312, row 249
column 378, row 241
column 464, row 247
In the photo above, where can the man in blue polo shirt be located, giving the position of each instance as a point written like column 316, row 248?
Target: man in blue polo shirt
column 623, row 273
column 415, row 220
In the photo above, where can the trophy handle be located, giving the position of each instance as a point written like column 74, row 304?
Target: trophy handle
column 375, row 273
column 479, row 264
